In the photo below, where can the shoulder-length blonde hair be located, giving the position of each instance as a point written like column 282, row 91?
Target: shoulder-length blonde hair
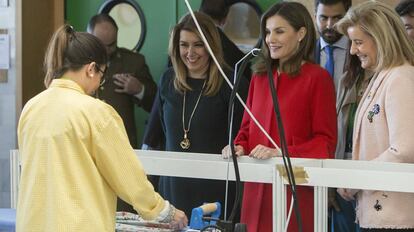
column 214, row 80
column 385, row 27
column 297, row 16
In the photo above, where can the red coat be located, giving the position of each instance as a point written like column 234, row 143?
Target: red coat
column 307, row 105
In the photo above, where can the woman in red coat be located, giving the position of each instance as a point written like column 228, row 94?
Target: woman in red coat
column 306, row 97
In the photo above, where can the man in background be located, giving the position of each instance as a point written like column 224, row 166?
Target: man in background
column 331, row 47
column 128, row 81
column 406, row 11
column 331, row 52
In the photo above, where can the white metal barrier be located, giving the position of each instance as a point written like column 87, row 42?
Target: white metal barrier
column 14, row 177
column 322, row 174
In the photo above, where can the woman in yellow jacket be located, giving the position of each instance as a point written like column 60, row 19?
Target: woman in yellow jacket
column 76, row 157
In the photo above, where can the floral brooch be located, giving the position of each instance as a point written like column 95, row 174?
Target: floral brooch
column 375, row 110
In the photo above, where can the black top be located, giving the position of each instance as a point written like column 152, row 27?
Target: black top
column 208, row 134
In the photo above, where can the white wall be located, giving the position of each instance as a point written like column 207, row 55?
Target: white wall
column 10, row 96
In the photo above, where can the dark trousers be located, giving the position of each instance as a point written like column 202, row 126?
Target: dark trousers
column 344, row 221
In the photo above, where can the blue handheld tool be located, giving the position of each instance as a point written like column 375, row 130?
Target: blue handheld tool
column 197, row 222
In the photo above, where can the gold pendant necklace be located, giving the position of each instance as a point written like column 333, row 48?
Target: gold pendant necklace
column 185, row 143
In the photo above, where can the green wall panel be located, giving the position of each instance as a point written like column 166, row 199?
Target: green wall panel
column 265, row 4
column 182, row 7
column 78, row 12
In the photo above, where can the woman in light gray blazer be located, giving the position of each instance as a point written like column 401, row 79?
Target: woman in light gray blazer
column 384, row 120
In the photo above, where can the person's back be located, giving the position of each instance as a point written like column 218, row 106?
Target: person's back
column 52, row 120
column 76, row 157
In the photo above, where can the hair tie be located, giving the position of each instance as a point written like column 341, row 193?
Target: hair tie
column 69, row 29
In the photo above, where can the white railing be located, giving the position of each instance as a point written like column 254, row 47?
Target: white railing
column 14, row 177
column 322, row 174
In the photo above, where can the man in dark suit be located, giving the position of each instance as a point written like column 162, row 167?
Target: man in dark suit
column 128, row 81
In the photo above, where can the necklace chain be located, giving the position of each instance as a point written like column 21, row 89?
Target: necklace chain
column 185, row 143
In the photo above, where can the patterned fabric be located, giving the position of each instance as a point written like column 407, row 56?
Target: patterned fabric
column 129, row 222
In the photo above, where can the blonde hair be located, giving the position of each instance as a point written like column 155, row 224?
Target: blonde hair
column 214, row 80
column 298, row 17
column 384, row 26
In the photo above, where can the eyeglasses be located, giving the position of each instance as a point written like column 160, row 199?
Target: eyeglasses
column 102, row 77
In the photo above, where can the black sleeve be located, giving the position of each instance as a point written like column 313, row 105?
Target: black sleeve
column 154, row 134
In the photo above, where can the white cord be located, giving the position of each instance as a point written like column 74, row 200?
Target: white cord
column 290, row 213
column 227, row 79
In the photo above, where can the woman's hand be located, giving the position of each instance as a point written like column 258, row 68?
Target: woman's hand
column 226, row 152
column 263, row 152
column 179, row 221
column 347, row 194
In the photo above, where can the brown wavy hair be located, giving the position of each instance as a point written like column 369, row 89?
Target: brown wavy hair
column 297, row 16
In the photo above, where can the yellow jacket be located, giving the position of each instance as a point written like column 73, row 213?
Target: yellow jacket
column 76, row 158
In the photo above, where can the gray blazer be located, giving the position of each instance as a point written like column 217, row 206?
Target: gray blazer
column 344, row 98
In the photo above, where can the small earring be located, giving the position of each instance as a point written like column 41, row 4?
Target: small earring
column 91, row 75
